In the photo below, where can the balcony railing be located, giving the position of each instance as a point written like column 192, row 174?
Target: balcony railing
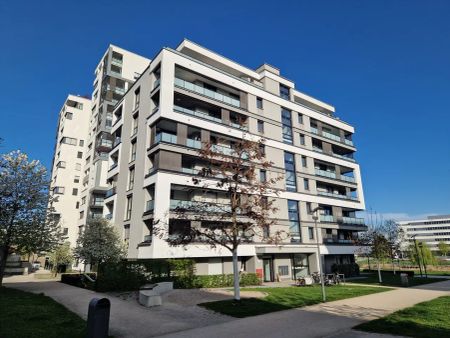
column 191, row 171
column 327, row 218
column 193, row 143
column 114, row 165
column 344, row 157
column 353, row 220
column 226, row 151
column 197, row 113
column 149, row 205
column 117, row 140
column 348, row 142
column 147, row 238
column 331, row 136
column 111, row 192
column 156, row 83
column 199, row 206
column 325, row 173
column 166, row 137
column 330, row 194
column 116, row 62
column 337, row 241
column 108, row 216
column 97, row 203
column 314, row 130
column 209, row 93
column 348, row 179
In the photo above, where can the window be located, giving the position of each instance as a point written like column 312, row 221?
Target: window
column 284, row 92
column 76, row 179
column 61, row 164
column 81, row 214
column 74, row 191
column 259, row 103
column 283, row 270
column 83, row 200
column 289, row 165
column 306, row 183
column 77, row 166
column 135, row 125
column 77, row 205
column 294, row 221
column 133, row 151
column 304, row 163
column 65, row 231
column 308, row 207
column 58, row 190
column 137, row 97
column 262, row 175
column 262, row 149
column 302, row 139
column 126, row 233
column 260, row 126
column 300, row 118
column 80, row 154
column 69, row 116
column 69, row 140
column 286, row 122
column 311, row 232
column 81, row 143
column 129, row 207
column 131, row 178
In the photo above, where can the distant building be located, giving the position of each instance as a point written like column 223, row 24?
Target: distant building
column 431, row 231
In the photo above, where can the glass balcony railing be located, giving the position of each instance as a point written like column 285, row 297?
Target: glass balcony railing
column 344, row 157
column 353, row 220
column 113, row 166
column 319, row 150
column 149, row 205
column 330, row 194
column 156, row 83
column 166, row 137
column 110, row 192
column 116, row 62
column 348, row 179
column 325, row 173
column 226, row 151
column 327, row 218
column 314, row 130
column 199, row 206
column 209, row 93
column 197, row 113
column 191, row 171
column 348, row 142
column 331, row 136
column 147, row 238
column 193, row 143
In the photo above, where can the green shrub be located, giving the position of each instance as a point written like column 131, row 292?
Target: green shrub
column 122, row 276
column 349, row 270
column 77, row 279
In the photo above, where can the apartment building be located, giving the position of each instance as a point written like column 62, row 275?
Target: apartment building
column 191, row 95
column 66, row 176
column 114, row 74
column 432, row 230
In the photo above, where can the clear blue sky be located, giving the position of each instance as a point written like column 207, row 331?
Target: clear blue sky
column 384, row 65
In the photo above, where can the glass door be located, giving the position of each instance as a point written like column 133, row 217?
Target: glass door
column 268, row 271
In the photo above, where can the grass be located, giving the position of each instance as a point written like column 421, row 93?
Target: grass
column 286, row 298
column 424, row 320
column 389, row 279
column 28, row 315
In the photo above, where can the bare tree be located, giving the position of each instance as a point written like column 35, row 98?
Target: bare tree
column 247, row 214
column 394, row 235
column 26, row 212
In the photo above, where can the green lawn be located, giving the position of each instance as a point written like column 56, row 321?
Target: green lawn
column 424, row 320
column 286, row 298
column 389, row 279
column 29, row 315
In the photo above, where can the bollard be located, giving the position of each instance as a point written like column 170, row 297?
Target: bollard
column 98, row 318
column 404, row 279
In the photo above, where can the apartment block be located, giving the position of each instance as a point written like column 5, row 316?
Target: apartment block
column 114, row 74
column 431, row 231
column 189, row 96
column 67, row 174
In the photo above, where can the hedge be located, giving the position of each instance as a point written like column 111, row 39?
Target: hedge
column 349, row 270
column 77, row 279
column 410, row 273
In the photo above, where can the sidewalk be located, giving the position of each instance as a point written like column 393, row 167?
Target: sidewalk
column 331, row 320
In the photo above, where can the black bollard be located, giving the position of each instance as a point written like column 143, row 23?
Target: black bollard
column 98, row 318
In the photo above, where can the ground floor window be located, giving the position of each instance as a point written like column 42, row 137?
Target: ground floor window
column 300, row 265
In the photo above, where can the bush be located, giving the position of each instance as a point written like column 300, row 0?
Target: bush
column 77, row 279
column 221, row 281
column 349, row 270
column 122, row 276
column 410, row 273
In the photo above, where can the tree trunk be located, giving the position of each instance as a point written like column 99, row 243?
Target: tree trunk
column 3, row 256
column 393, row 264
column 237, row 291
column 379, row 271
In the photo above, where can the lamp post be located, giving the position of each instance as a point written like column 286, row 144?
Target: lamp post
column 417, row 253
column 423, row 259
column 315, row 217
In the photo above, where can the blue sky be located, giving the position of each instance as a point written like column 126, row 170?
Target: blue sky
column 384, row 65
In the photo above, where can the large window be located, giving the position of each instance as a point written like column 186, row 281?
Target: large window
column 131, row 179
column 259, row 103
column 69, row 140
column 133, row 151
column 294, row 221
column 289, row 165
column 284, row 92
column 129, row 207
column 137, row 97
column 286, row 121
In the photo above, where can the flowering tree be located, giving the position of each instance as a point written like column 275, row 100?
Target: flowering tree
column 26, row 222
column 247, row 211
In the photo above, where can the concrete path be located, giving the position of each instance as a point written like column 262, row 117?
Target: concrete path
column 128, row 318
column 331, row 320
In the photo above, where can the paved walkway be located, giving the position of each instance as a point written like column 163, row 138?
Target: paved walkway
column 331, row 320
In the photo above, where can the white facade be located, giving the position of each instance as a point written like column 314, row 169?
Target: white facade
column 66, row 177
column 431, row 231
column 191, row 95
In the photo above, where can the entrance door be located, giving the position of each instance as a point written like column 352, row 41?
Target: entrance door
column 268, row 269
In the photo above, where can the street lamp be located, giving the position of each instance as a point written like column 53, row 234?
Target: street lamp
column 417, row 253
column 315, row 217
column 423, row 259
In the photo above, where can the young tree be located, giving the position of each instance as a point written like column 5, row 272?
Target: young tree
column 394, row 235
column 421, row 254
column 26, row 222
column 62, row 255
column 247, row 209
column 99, row 243
column 444, row 248
column 378, row 246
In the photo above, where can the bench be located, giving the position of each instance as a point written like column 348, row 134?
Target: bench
column 150, row 294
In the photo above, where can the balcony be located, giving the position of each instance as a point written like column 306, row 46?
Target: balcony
column 97, row 203
column 190, row 171
column 147, row 238
column 353, row 220
column 193, row 143
column 331, row 136
column 337, row 241
column 111, row 192
column 114, row 165
column 156, row 83
column 348, row 142
column 348, row 179
column 108, row 216
column 116, row 62
column 206, row 92
column 325, row 173
column 344, row 157
column 166, row 137
column 197, row 113
column 149, row 205
column 327, row 218
column 199, row 206
column 330, row 194
column 116, row 142
column 314, row 130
